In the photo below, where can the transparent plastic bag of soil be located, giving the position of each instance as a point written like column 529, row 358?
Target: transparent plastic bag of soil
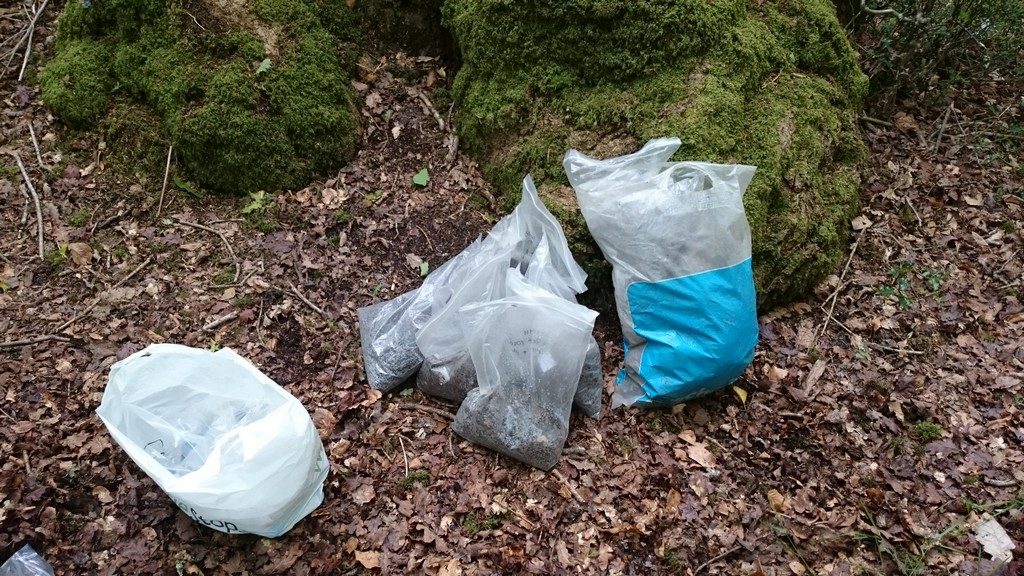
column 388, row 329
column 528, row 350
column 26, row 562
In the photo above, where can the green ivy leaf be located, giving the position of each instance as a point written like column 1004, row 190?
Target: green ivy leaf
column 424, row 269
column 422, row 178
column 264, row 67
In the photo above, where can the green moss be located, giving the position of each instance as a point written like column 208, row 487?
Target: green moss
column 776, row 86
column 77, row 82
column 233, row 129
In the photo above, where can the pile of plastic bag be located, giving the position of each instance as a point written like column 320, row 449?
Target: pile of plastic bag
column 498, row 330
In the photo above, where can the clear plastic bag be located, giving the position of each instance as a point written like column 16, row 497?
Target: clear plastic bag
column 26, row 562
column 231, row 448
column 419, row 333
column 528, row 350
column 679, row 243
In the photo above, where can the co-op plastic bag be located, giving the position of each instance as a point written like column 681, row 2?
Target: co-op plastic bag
column 232, row 449
column 679, row 243
column 528, row 350
column 26, row 562
column 419, row 332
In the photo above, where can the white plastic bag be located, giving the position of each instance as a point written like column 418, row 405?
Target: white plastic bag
column 231, row 448
column 26, row 562
column 679, row 243
column 528, row 350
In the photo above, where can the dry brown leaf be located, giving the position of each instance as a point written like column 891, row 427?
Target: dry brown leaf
column 369, row 560
column 700, row 454
column 81, row 253
column 364, row 494
column 777, row 501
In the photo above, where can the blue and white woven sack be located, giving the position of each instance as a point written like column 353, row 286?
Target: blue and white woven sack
column 678, row 240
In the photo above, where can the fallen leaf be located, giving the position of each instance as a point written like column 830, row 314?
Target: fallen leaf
column 741, row 393
column 364, row 494
column 81, row 253
column 369, row 560
column 701, row 455
column 797, row 568
column 777, row 501
column 422, row 178
column 860, row 223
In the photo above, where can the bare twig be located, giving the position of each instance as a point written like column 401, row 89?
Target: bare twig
column 89, row 308
column 306, row 301
column 425, row 408
column 196, row 21
column 231, row 251
column 1002, row 135
column 220, row 321
column 453, row 149
column 433, row 111
column 167, row 171
column 35, row 198
column 942, row 129
column 917, row 19
column 404, row 455
column 29, row 30
column 570, row 487
column 871, row 120
column 33, row 340
column 705, row 565
column 1000, row 483
column 28, row 469
column 914, row 209
column 108, row 221
column 835, row 294
column 35, row 144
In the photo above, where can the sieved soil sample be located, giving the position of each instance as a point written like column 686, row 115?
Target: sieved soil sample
column 451, row 379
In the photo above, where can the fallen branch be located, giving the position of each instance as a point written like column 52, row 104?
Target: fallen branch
column 306, row 301
column 433, row 111
column 89, row 308
column 231, row 251
column 35, row 198
column 565, row 481
column 220, row 321
column 33, row 340
column 425, row 408
column 35, row 144
column 167, row 171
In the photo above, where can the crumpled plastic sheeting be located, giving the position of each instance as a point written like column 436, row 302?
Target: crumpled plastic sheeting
column 26, row 562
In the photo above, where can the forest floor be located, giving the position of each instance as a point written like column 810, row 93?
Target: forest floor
column 880, row 422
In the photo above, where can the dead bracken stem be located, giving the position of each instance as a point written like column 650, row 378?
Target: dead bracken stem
column 404, row 455
column 97, row 300
column 167, row 171
column 35, row 144
column 835, row 294
column 35, row 199
column 223, row 239
column 431, row 409
column 221, row 321
column 33, row 340
column 306, row 301
column 565, row 481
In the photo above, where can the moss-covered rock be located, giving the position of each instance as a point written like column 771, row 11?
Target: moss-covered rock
column 253, row 94
column 775, row 85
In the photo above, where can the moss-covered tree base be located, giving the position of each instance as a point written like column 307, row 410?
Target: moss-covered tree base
column 775, row 85
column 253, row 95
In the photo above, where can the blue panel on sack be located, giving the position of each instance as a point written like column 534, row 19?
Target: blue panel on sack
column 701, row 331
